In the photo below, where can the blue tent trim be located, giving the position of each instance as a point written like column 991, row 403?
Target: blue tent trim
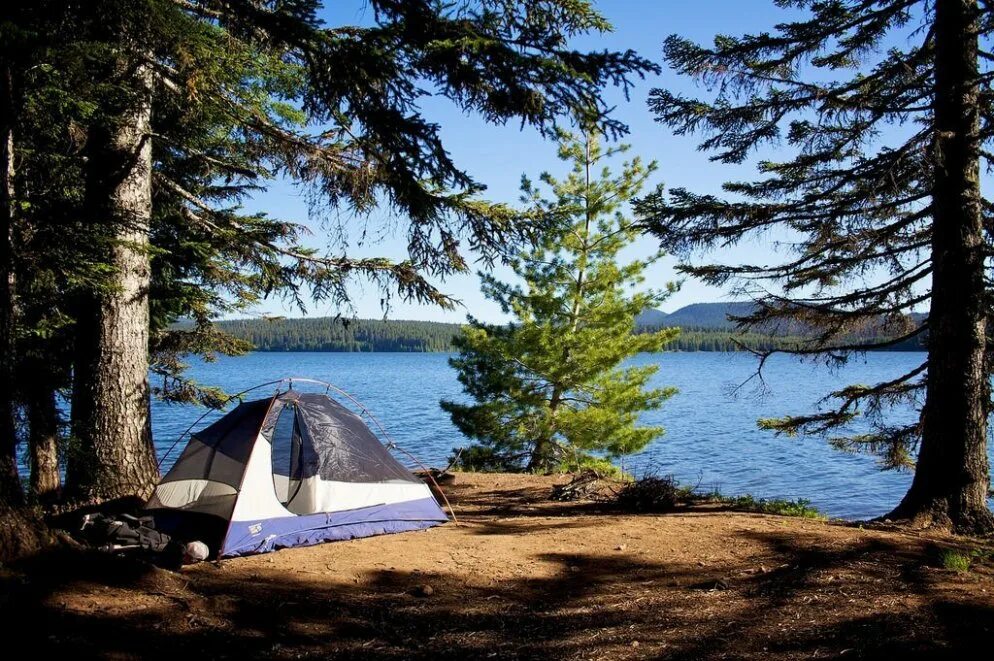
column 262, row 536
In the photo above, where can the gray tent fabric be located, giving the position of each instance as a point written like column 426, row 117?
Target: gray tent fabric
column 343, row 446
column 287, row 458
column 220, row 452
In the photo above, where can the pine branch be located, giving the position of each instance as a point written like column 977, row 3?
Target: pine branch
column 408, row 282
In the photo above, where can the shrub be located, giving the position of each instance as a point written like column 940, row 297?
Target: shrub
column 779, row 506
column 485, row 459
column 954, row 560
column 580, row 463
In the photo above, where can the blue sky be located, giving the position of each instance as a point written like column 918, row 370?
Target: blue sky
column 498, row 155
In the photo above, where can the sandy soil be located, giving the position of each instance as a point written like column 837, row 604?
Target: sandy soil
column 523, row 577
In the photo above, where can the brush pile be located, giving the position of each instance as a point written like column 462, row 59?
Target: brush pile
column 649, row 493
column 583, row 486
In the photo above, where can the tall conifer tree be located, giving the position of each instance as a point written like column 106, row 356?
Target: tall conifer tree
column 886, row 108
column 10, row 65
column 110, row 406
column 334, row 109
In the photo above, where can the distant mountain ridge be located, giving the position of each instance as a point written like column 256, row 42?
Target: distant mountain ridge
column 715, row 316
column 696, row 315
column 651, row 317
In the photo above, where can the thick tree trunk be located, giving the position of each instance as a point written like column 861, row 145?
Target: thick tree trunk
column 43, row 440
column 10, row 485
column 951, row 479
column 22, row 532
column 113, row 456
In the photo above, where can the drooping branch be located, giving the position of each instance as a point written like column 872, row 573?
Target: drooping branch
column 322, row 270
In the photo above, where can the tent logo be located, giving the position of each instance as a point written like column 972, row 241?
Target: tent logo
column 255, row 528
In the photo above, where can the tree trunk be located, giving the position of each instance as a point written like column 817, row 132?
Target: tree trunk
column 43, row 440
column 10, row 485
column 540, row 458
column 540, row 450
column 951, row 479
column 21, row 531
column 114, row 456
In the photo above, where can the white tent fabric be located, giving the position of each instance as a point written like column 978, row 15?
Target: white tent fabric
column 331, row 478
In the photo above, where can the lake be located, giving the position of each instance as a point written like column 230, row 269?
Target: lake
column 711, row 435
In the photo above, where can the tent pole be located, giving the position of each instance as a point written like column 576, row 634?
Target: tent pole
column 211, row 410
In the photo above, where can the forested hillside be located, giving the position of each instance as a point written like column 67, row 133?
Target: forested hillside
column 331, row 334
column 704, row 327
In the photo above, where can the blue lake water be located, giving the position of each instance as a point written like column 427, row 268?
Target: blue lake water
column 711, row 434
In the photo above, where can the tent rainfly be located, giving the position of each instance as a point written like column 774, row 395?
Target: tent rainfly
column 290, row 470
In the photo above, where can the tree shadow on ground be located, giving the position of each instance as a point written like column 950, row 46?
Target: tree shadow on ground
column 865, row 599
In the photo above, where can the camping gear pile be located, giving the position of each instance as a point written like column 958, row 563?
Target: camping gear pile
column 136, row 535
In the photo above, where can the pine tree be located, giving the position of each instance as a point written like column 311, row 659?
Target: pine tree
column 549, row 389
column 59, row 254
column 115, row 457
column 242, row 94
column 886, row 106
column 10, row 490
column 21, row 529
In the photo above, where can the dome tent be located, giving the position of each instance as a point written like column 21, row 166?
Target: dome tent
column 289, row 470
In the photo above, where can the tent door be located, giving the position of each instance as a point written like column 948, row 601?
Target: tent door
column 287, row 456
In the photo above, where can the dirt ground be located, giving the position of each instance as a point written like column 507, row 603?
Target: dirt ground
column 523, row 577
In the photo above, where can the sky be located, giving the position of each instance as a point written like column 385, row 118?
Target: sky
column 497, row 156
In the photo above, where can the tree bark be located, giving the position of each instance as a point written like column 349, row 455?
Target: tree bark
column 113, row 456
column 21, row 530
column 952, row 475
column 10, row 485
column 43, row 441
column 540, row 458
